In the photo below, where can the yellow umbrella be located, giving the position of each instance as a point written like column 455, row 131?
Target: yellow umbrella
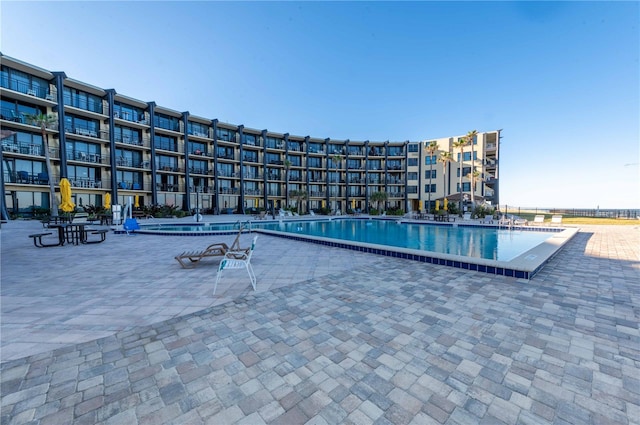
column 437, row 204
column 65, row 193
column 107, row 201
column 446, row 204
column 136, row 204
column 419, row 205
column 353, row 204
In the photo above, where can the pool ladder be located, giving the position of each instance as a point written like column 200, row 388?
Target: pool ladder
column 242, row 225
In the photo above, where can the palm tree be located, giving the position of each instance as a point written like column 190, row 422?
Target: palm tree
column 460, row 144
column 473, row 177
column 336, row 159
column 378, row 197
column 471, row 136
column 430, row 149
column 445, row 158
column 44, row 121
column 299, row 196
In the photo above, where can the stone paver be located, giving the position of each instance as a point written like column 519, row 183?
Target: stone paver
column 119, row 333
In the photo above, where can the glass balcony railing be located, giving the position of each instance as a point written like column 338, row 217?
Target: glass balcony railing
column 26, row 88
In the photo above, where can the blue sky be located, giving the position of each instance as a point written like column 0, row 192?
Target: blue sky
column 560, row 78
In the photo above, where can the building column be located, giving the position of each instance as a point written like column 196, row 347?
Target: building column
column 241, row 199
column 216, row 199
column 187, row 174
column 62, row 137
column 152, row 162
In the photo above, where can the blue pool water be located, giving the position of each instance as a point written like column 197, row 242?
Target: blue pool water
column 491, row 243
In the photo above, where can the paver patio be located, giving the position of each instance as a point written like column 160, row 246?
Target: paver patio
column 118, row 333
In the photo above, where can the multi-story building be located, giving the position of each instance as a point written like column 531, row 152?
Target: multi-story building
column 431, row 179
column 104, row 143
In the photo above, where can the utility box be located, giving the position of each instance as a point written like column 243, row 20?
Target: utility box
column 117, row 214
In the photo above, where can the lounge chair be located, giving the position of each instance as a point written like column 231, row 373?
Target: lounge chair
column 237, row 260
column 262, row 215
column 466, row 216
column 214, row 250
column 313, row 214
column 538, row 219
column 488, row 219
column 556, row 220
column 505, row 221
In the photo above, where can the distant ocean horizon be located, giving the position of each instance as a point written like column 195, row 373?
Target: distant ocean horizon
column 581, row 212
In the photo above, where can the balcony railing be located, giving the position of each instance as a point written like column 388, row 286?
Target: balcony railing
column 26, row 88
column 23, row 148
column 85, row 156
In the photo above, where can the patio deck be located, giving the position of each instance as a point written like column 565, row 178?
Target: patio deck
column 118, row 332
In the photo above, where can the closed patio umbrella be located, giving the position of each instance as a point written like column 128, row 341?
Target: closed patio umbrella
column 65, row 192
column 437, row 205
column 136, row 204
column 107, row 201
column 446, row 204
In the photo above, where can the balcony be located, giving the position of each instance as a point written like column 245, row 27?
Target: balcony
column 84, row 156
column 22, row 148
column 27, row 88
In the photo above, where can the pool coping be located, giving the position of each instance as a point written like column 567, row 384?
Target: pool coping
column 524, row 266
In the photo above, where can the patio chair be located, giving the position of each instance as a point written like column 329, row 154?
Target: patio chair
column 466, row 216
column 556, row 220
column 23, row 177
column 237, row 260
column 214, row 250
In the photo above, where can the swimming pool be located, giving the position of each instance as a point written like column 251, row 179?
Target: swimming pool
column 518, row 252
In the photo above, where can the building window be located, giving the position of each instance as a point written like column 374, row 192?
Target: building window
column 467, row 156
column 432, row 172
column 414, row 147
column 197, row 129
column 430, row 188
column 126, row 112
column 412, row 189
column 24, row 83
column 165, row 143
column 412, row 176
column 431, row 160
column 82, row 100
column 166, row 122
column 466, row 187
column 465, row 171
column 412, row 162
column 225, row 134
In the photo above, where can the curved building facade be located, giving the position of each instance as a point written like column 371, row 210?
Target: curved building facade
column 107, row 143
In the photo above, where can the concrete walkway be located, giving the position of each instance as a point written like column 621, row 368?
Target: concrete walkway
column 118, row 333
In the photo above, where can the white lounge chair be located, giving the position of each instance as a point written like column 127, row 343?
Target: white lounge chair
column 556, row 220
column 237, row 260
column 538, row 219
column 312, row 213
column 466, row 216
